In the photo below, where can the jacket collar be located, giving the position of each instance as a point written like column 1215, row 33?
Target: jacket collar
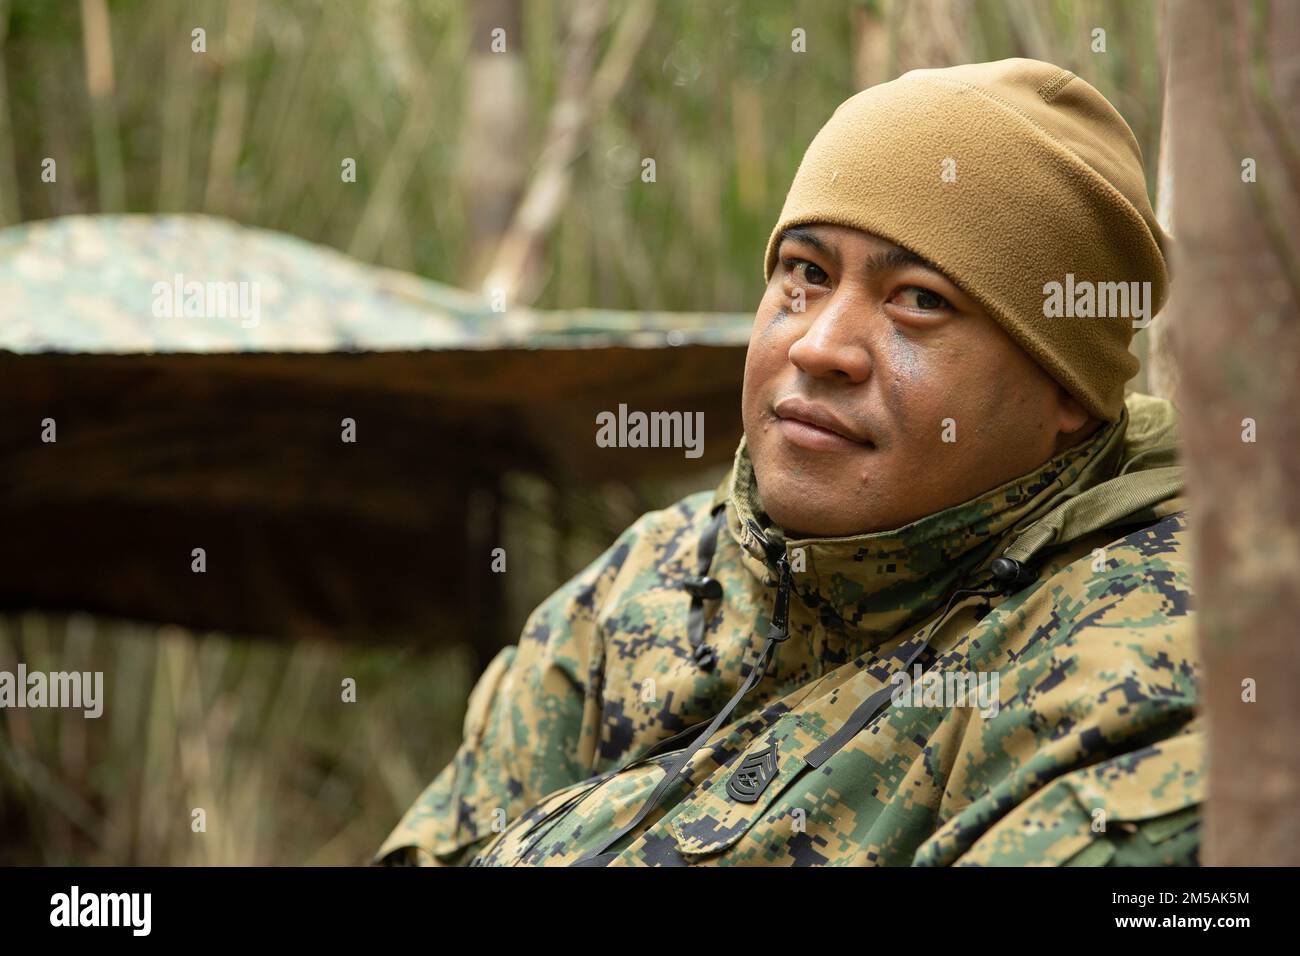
column 866, row 588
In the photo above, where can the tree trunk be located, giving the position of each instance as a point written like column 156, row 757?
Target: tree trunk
column 1159, row 365
column 1233, row 81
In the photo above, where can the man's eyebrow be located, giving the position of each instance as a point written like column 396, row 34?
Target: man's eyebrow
column 897, row 258
column 808, row 237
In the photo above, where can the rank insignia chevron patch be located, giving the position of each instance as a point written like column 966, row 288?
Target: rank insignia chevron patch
column 752, row 776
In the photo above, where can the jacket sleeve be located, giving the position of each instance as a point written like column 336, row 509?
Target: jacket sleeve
column 531, row 726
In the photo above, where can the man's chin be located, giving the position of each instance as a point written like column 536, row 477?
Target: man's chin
column 800, row 527
column 801, row 516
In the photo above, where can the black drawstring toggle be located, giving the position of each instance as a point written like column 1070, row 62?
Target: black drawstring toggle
column 1011, row 573
column 704, row 588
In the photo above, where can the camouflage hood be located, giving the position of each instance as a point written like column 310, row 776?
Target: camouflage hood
column 709, row 693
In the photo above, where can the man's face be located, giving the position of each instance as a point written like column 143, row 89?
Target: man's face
column 892, row 395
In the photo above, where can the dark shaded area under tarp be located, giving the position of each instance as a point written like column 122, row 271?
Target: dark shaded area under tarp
column 178, row 432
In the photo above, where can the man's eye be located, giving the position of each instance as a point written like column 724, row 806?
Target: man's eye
column 914, row 297
column 809, row 272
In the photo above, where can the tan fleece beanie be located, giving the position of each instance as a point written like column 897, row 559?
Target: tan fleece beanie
column 1005, row 176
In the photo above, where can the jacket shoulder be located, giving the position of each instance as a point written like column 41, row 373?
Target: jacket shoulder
column 1094, row 755
column 1141, row 579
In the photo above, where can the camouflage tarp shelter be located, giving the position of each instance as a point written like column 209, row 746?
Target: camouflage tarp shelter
column 179, row 432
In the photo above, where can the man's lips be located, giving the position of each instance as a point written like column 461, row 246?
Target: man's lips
column 816, row 427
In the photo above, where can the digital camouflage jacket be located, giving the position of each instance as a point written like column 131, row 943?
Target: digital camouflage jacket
column 1088, row 750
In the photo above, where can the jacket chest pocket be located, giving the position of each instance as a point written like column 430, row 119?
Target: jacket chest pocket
column 739, row 796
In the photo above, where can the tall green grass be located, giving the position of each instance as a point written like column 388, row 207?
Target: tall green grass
column 255, row 734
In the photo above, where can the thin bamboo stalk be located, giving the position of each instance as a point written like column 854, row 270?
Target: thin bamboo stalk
column 97, row 40
column 178, row 100
column 10, row 203
column 233, row 105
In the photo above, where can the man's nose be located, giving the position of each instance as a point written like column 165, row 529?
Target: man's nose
column 834, row 345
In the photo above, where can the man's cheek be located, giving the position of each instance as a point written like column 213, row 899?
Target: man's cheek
column 934, row 412
column 754, row 382
column 763, row 366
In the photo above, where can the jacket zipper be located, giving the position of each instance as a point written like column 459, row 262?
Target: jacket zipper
column 775, row 554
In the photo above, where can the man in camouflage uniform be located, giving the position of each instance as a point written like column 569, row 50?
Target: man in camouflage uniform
column 938, row 613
